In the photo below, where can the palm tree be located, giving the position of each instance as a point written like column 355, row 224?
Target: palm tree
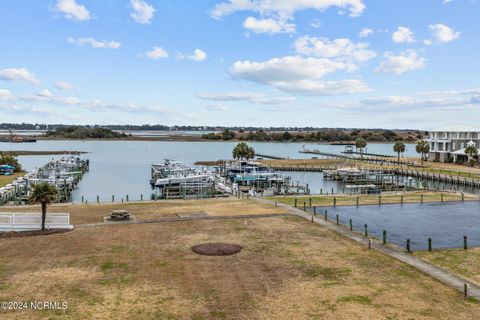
column 399, row 147
column 44, row 193
column 360, row 143
column 422, row 147
column 471, row 151
column 243, row 151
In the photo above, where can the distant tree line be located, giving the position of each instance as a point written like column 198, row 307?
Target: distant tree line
column 323, row 135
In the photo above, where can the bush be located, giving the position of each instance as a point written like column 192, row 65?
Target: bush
column 8, row 159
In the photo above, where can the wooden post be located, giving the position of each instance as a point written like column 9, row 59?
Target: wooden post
column 465, row 290
column 304, row 206
column 384, row 236
column 408, row 245
column 441, row 197
column 351, row 225
column 126, row 197
column 98, row 199
column 295, row 203
column 366, row 230
column 321, row 191
column 332, row 190
column 326, row 215
column 310, row 202
column 421, row 198
column 379, row 200
column 315, row 210
column 429, row 244
column 113, row 198
column 401, row 199
column 369, row 244
column 465, row 242
column 86, row 201
column 312, row 217
column 141, row 197
column 338, row 220
column 82, row 200
column 122, row 200
column 334, row 201
column 358, row 200
column 463, row 197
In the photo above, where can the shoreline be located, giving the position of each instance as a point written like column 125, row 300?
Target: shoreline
column 180, row 138
column 41, row 153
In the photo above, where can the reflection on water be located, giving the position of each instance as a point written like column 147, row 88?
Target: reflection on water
column 445, row 223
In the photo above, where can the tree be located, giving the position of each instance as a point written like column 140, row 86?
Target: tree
column 44, row 193
column 399, row 147
column 243, row 151
column 472, row 153
column 422, row 147
column 10, row 160
column 360, row 143
column 228, row 135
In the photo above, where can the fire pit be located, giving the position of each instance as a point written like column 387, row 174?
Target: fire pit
column 216, row 249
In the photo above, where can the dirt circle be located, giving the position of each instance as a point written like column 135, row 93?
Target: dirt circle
column 216, row 249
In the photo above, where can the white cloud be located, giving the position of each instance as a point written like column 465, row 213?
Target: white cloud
column 269, row 26
column 443, row 33
column 403, row 35
column 5, row 95
column 45, row 94
column 21, row 74
column 324, row 88
column 343, row 49
column 156, row 53
column 252, row 97
column 215, row 107
column 48, row 97
column 198, row 55
column 407, row 60
column 290, row 68
column 97, row 44
column 365, row 32
column 64, row 85
column 296, row 74
column 142, row 12
column 72, row 10
column 285, row 8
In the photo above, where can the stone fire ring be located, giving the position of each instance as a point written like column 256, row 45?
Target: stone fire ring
column 216, row 249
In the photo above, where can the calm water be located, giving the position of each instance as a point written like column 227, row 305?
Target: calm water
column 123, row 167
column 445, row 223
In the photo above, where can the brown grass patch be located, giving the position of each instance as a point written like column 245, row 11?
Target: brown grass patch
column 289, row 269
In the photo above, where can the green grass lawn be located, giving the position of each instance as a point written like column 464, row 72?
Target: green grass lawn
column 4, row 180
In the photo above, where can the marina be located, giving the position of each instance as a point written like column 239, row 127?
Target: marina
column 64, row 173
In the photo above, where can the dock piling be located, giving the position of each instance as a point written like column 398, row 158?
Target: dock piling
column 351, row 225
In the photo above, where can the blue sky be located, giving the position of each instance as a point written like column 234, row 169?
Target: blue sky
column 324, row 63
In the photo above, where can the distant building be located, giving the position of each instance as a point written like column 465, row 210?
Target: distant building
column 448, row 145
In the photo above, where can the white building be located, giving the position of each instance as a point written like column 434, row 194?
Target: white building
column 449, row 144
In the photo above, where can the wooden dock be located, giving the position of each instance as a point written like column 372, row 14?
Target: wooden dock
column 269, row 156
column 418, row 174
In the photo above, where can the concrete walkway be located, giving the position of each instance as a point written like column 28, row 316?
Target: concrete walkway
column 436, row 272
